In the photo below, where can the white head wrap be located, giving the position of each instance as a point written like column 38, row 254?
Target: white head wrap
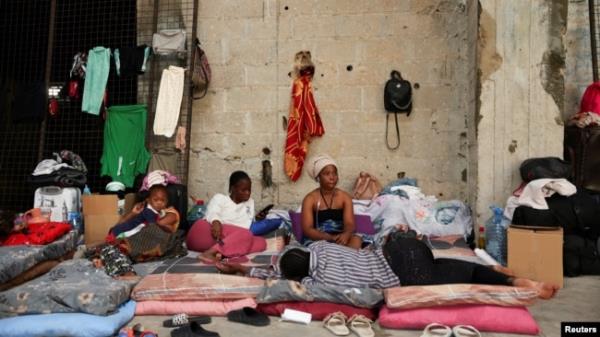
column 318, row 163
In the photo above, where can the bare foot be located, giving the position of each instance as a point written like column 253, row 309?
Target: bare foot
column 402, row 227
column 209, row 257
column 545, row 290
column 130, row 277
column 501, row 269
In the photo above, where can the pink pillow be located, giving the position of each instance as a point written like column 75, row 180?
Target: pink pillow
column 319, row 310
column 209, row 308
column 453, row 294
column 483, row 317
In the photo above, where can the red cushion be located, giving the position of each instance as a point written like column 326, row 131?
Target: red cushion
column 319, row 310
column 39, row 234
column 483, row 317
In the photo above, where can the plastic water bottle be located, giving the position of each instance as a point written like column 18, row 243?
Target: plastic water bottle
column 495, row 235
column 75, row 221
column 65, row 213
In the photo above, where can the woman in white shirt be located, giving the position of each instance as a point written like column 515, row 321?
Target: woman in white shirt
column 224, row 231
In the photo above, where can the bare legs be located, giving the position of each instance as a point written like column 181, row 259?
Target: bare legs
column 545, row 290
column 501, row 269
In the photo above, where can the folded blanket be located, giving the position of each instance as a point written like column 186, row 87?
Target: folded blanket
column 72, row 286
column 284, row 290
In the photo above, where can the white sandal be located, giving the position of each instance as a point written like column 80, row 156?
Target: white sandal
column 465, row 331
column 336, row 323
column 361, row 326
column 437, row 330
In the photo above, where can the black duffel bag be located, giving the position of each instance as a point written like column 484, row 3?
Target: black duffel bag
column 545, row 167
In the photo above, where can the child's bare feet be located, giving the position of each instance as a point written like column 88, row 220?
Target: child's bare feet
column 545, row 290
column 210, row 256
column 500, row 268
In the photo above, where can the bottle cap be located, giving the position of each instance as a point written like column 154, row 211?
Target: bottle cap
column 481, row 229
column 199, row 202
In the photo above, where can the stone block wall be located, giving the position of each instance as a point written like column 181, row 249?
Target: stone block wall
column 578, row 72
column 522, row 65
column 355, row 44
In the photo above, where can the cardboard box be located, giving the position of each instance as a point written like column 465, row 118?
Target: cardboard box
column 129, row 202
column 536, row 253
column 100, row 213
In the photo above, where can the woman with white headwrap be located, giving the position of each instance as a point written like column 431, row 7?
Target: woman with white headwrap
column 327, row 212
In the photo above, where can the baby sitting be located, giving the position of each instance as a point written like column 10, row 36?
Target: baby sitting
column 155, row 211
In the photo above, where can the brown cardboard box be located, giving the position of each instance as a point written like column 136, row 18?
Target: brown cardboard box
column 536, row 253
column 129, row 202
column 100, row 213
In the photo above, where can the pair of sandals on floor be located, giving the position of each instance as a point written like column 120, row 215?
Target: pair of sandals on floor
column 192, row 326
column 339, row 324
column 441, row 330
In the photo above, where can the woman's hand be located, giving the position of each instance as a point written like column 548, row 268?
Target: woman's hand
column 216, row 230
column 343, row 238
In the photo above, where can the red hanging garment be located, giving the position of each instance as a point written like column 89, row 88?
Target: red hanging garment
column 590, row 102
column 304, row 122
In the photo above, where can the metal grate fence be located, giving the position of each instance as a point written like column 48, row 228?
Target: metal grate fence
column 39, row 41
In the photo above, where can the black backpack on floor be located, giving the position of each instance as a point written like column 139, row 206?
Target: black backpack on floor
column 581, row 255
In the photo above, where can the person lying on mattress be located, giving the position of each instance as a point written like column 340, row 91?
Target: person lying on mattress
column 224, row 231
column 327, row 212
column 403, row 260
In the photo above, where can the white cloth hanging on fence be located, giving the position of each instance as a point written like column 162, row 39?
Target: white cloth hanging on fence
column 169, row 99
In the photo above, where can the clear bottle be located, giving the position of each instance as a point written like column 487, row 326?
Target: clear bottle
column 495, row 235
column 65, row 213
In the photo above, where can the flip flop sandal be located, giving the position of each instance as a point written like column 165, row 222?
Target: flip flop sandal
column 183, row 319
column 465, row 331
column 248, row 315
column 437, row 330
column 336, row 323
column 193, row 330
column 361, row 326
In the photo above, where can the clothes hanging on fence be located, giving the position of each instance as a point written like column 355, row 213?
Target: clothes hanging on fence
column 98, row 66
column 304, row 122
column 131, row 60
column 168, row 103
column 124, row 155
column 164, row 159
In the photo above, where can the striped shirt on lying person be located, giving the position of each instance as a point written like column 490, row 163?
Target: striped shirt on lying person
column 337, row 265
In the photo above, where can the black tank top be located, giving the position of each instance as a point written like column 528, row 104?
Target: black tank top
column 335, row 214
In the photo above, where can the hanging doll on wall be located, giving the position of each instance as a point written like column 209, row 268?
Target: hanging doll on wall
column 304, row 121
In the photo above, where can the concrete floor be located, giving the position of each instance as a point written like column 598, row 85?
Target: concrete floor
column 578, row 301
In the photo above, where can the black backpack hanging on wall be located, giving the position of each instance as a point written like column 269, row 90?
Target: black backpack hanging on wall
column 397, row 98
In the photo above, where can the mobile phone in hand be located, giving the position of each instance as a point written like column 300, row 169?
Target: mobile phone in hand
column 266, row 210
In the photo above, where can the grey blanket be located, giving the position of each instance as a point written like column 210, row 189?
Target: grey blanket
column 72, row 286
column 283, row 290
column 16, row 259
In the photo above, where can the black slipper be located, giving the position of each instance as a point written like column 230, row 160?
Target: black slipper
column 184, row 319
column 248, row 315
column 193, row 330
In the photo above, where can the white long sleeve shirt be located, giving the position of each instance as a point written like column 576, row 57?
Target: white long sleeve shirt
column 222, row 208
